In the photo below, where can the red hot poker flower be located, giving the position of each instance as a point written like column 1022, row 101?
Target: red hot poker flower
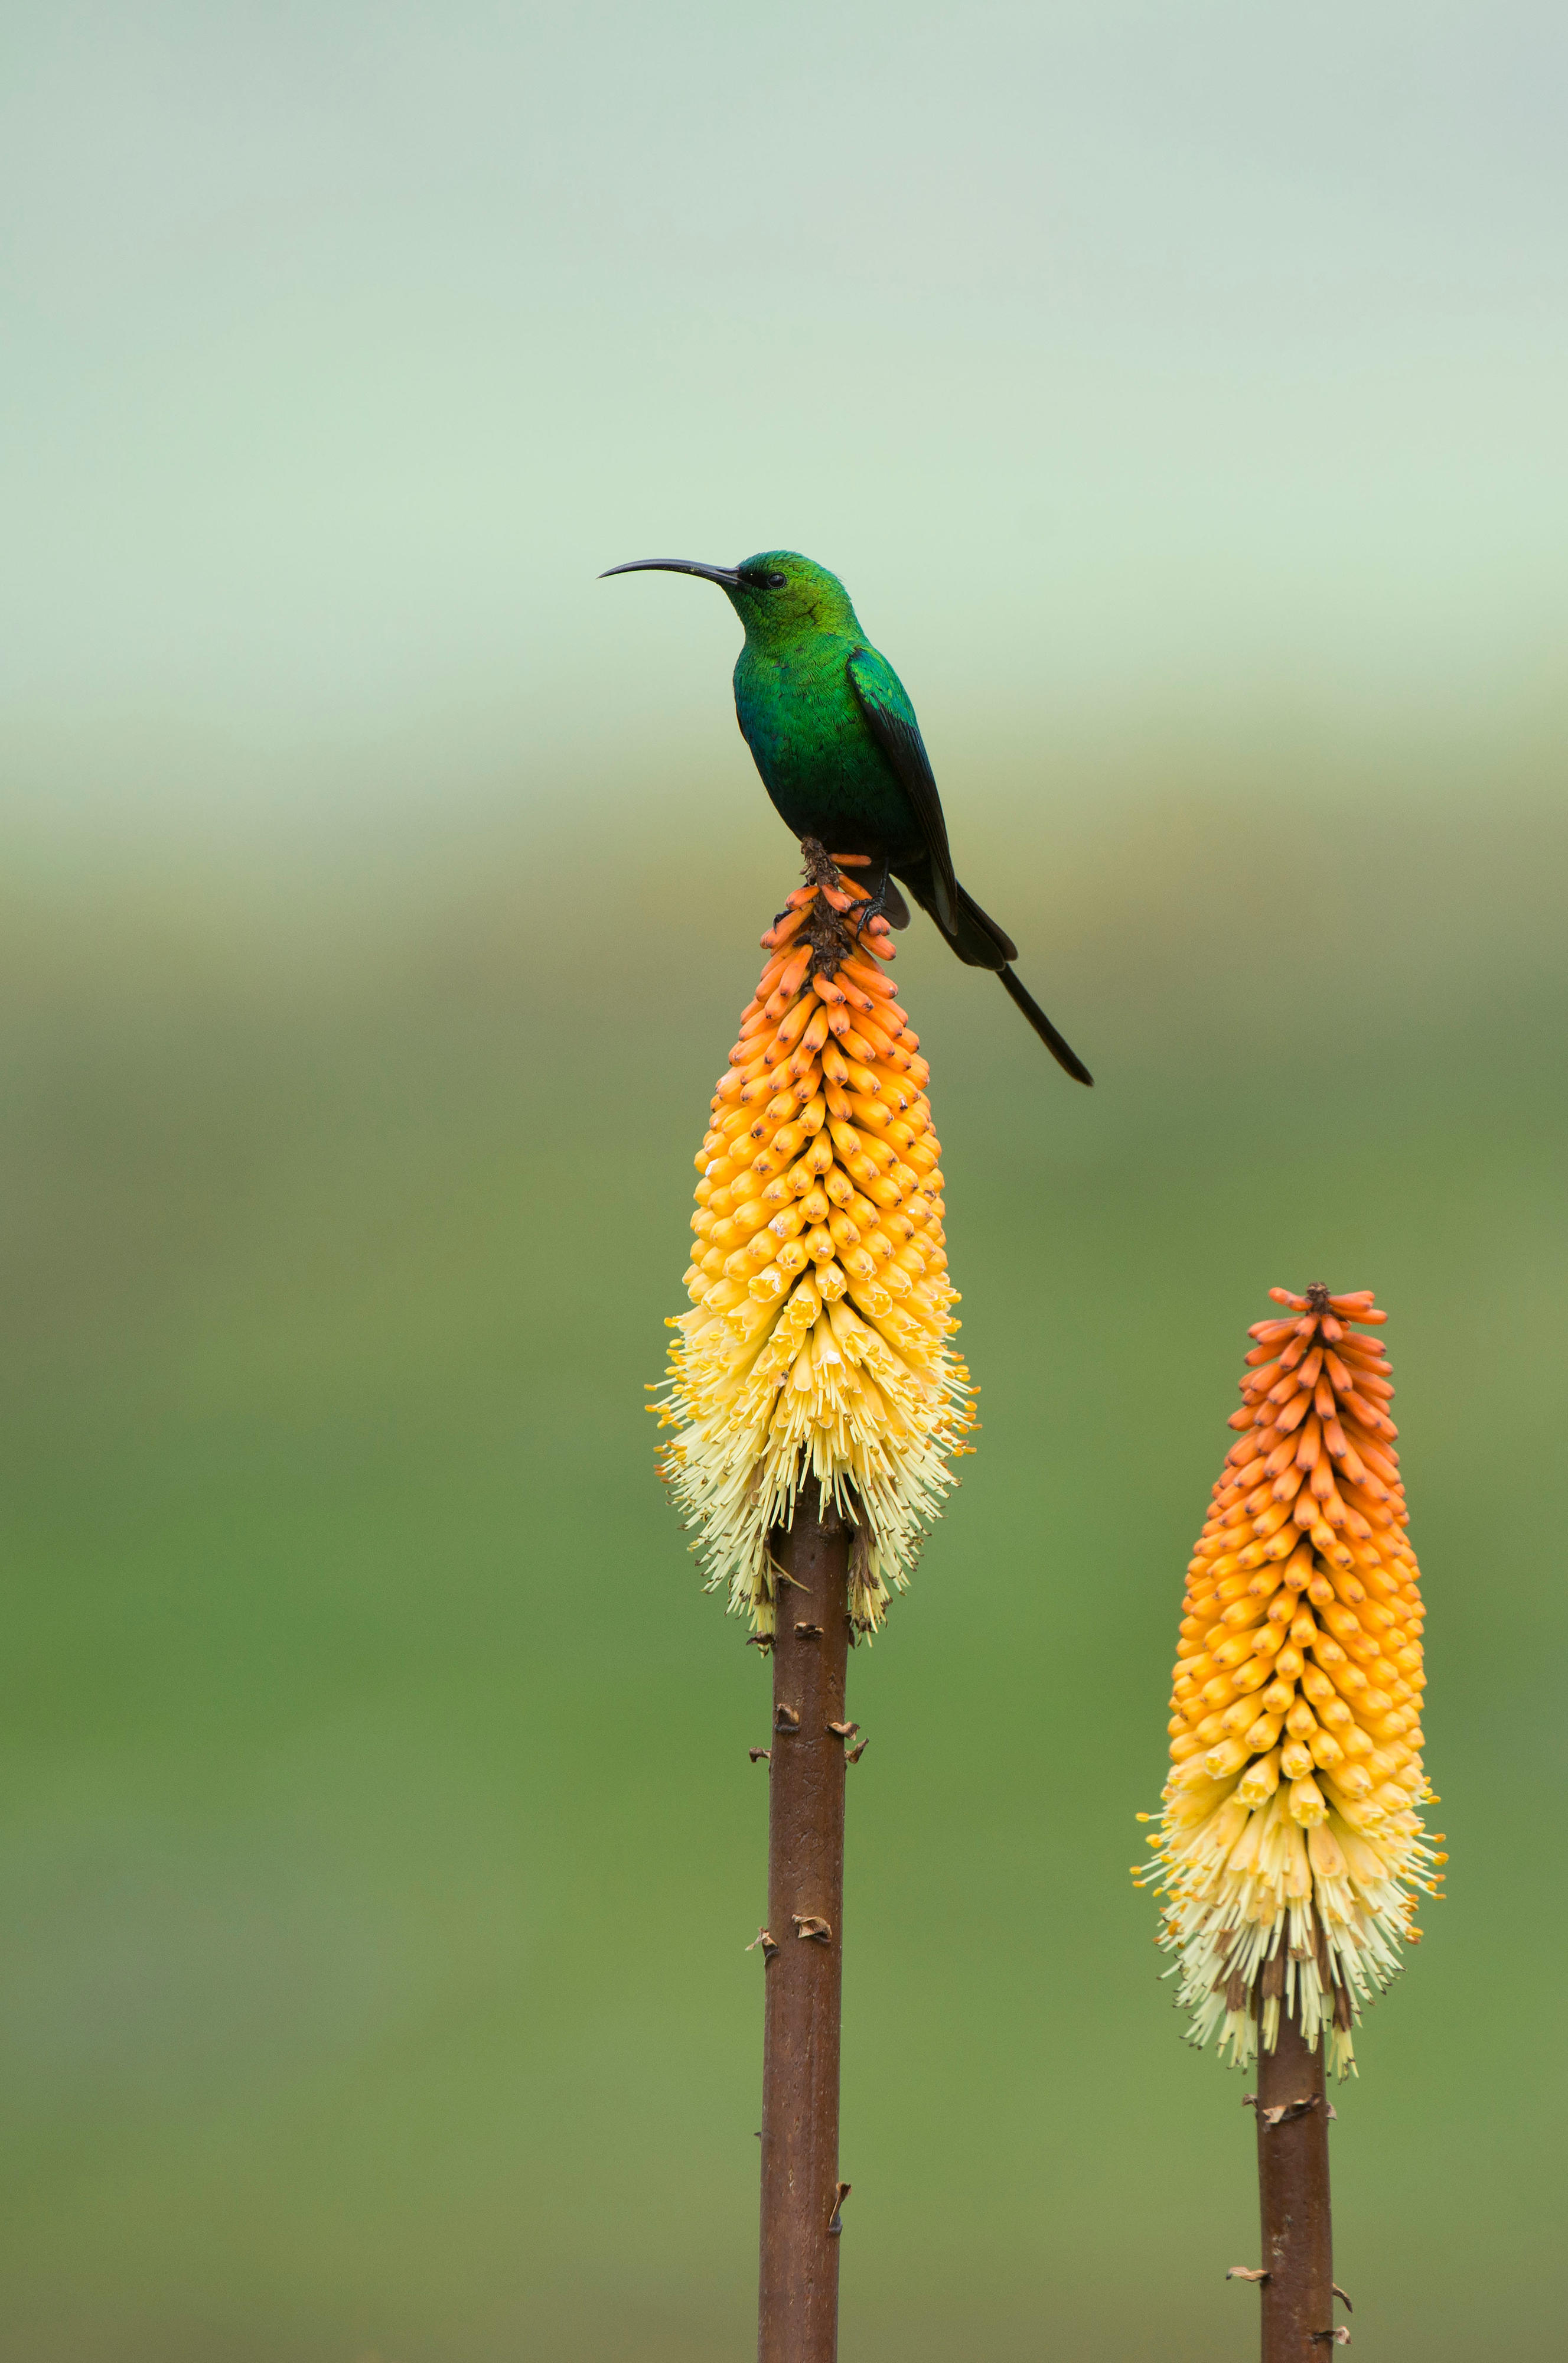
column 1291, row 1839
column 818, row 1345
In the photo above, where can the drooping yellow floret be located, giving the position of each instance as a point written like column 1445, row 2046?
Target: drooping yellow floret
column 818, row 1345
column 1290, row 1839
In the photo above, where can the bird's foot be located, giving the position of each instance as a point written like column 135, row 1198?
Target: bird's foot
column 882, row 902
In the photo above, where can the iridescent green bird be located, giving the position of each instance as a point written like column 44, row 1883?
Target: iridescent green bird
column 832, row 733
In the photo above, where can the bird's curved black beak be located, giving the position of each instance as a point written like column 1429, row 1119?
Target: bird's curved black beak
column 727, row 575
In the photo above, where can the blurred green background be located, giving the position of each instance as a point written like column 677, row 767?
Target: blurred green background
column 1180, row 391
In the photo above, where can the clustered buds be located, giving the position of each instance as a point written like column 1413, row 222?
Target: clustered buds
column 818, row 1345
column 1290, row 1838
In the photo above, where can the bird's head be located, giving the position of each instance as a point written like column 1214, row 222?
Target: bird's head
column 779, row 595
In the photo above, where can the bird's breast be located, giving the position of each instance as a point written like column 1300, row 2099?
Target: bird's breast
column 823, row 770
column 805, row 707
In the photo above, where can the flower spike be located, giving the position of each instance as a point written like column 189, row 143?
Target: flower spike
column 1291, row 1839
column 818, row 1345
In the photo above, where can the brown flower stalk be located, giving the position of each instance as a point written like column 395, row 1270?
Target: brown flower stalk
column 814, row 1404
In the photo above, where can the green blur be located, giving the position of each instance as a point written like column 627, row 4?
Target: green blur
column 378, row 1842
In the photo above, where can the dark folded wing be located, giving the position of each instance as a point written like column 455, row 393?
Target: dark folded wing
column 886, row 706
column 976, row 922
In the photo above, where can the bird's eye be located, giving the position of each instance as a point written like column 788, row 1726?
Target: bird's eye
column 776, row 582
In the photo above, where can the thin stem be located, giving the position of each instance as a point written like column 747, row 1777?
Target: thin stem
column 1293, row 2201
column 798, row 2302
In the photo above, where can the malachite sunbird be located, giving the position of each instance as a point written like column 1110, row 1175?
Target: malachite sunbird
column 831, row 731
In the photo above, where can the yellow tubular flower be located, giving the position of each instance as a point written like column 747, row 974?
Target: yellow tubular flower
column 1290, row 1838
column 818, row 1345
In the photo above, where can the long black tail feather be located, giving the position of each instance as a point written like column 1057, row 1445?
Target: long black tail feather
column 1060, row 1050
column 980, row 942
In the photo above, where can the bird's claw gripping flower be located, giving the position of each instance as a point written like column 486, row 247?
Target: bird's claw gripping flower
column 818, row 1345
column 1290, row 1839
